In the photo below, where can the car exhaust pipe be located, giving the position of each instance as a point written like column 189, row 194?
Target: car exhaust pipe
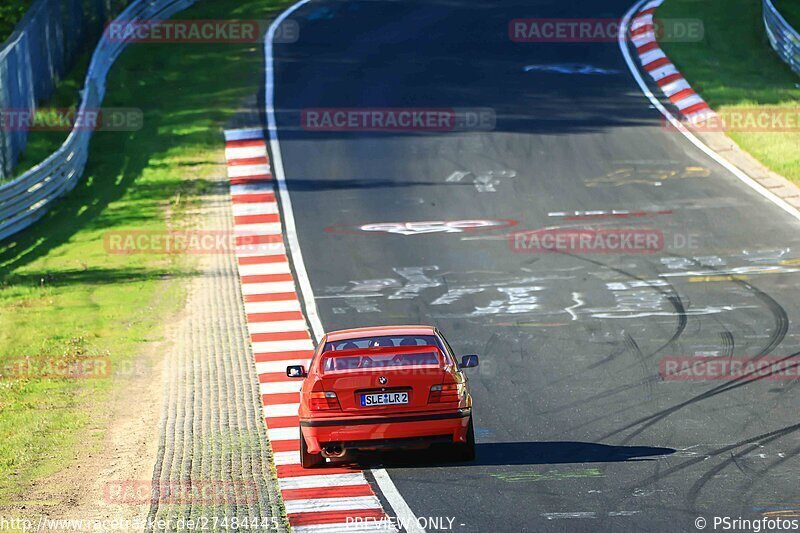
column 333, row 451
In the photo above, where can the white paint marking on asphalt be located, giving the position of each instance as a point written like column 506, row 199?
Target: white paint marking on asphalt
column 457, row 176
column 689, row 101
column 260, row 208
column 663, row 71
column 244, row 134
column 647, row 37
column 401, row 509
column 747, row 180
column 258, row 229
column 245, row 152
column 274, row 367
column 558, row 516
column 267, row 288
column 377, row 526
column 252, row 308
column 282, row 346
column 292, row 433
column 281, row 387
column 286, row 458
column 267, row 248
column 281, row 409
column 332, row 504
column 651, row 4
column 385, row 483
column 652, row 55
column 265, row 268
column 323, row 480
column 243, row 171
column 576, row 297
column 643, row 20
column 675, row 87
column 277, row 326
column 256, row 187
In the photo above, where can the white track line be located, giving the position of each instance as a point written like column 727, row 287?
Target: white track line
column 252, row 308
column 322, row 480
column 260, row 208
column 244, row 134
column 747, row 180
column 381, row 526
column 292, row 433
column 267, row 248
column 273, row 367
column 385, row 483
column 352, row 503
column 265, row 268
column 272, row 287
column 283, row 346
column 280, row 387
column 257, row 187
column 277, row 326
column 281, row 409
column 245, row 152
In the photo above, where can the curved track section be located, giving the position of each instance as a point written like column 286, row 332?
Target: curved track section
column 577, row 430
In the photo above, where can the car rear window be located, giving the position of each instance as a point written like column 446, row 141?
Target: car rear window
column 382, row 340
column 333, row 362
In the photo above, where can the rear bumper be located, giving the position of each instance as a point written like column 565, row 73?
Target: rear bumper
column 402, row 431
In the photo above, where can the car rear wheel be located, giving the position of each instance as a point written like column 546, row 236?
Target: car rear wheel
column 466, row 451
column 309, row 460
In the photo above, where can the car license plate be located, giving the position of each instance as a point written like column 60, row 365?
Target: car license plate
column 384, row 398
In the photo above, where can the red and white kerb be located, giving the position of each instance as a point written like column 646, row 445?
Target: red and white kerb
column 661, row 69
column 327, row 499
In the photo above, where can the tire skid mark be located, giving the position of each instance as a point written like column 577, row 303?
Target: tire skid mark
column 775, row 338
column 752, row 443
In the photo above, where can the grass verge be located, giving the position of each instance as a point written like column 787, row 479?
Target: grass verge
column 735, row 70
column 790, row 9
column 10, row 14
column 62, row 296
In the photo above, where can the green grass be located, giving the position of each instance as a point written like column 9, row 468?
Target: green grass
column 42, row 143
column 11, row 11
column 61, row 295
column 790, row 9
column 734, row 68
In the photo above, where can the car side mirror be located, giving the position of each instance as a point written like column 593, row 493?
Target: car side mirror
column 468, row 361
column 296, row 371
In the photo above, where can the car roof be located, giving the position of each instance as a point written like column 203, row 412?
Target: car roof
column 356, row 333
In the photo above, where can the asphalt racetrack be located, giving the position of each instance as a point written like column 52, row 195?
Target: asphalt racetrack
column 577, row 429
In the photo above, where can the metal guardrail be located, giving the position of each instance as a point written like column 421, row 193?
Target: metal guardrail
column 783, row 38
column 26, row 199
column 43, row 46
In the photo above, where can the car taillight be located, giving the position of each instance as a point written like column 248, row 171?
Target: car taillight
column 324, row 401
column 450, row 392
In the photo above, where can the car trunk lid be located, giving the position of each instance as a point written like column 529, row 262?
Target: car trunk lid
column 385, row 379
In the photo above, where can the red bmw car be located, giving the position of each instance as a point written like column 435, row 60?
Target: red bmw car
column 392, row 387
